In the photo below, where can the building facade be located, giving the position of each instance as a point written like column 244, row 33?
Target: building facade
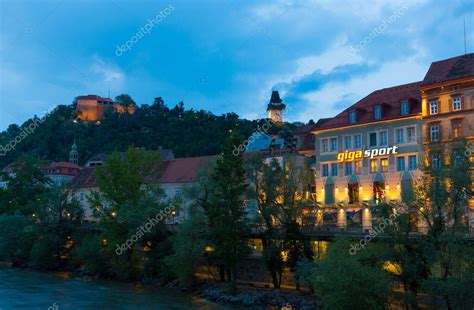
column 447, row 95
column 375, row 149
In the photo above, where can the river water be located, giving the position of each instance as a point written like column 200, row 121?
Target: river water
column 25, row 289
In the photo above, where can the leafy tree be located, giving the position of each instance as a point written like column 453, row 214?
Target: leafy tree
column 25, row 186
column 225, row 212
column 17, row 236
column 345, row 281
column 279, row 190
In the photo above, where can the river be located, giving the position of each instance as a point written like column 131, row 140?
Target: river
column 26, row 289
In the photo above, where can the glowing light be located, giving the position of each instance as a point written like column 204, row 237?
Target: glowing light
column 114, row 214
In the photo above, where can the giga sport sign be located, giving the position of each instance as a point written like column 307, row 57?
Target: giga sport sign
column 354, row 155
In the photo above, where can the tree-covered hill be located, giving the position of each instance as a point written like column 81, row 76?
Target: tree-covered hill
column 186, row 132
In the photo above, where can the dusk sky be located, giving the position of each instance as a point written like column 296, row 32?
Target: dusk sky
column 222, row 56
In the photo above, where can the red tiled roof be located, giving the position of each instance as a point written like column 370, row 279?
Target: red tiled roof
column 389, row 98
column 450, row 69
column 85, row 179
column 63, row 164
column 180, row 170
column 184, row 170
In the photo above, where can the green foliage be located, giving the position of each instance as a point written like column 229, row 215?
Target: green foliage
column 186, row 132
column 16, row 238
column 42, row 253
column 26, row 186
column 91, row 255
column 225, row 212
column 188, row 244
column 345, row 281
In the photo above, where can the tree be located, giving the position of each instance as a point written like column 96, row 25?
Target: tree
column 344, row 281
column 279, row 189
column 225, row 212
column 25, row 186
column 129, row 197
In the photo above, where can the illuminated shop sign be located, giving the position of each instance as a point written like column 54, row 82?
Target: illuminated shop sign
column 354, row 155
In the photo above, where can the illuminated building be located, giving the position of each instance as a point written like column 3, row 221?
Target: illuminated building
column 368, row 153
column 91, row 108
column 447, row 95
column 372, row 151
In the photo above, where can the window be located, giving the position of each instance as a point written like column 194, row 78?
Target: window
column 378, row 112
column 353, row 192
column 325, row 145
column 374, row 166
column 348, row 142
column 177, row 192
column 405, row 108
column 400, row 163
column 412, row 162
column 334, row 170
column 325, row 170
column 433, row 107
column 458, row 160
column 383, row 138
column 357, row 141
column 400, row 133
column 434, row 133
column 348, row 168
column 457, row 129
column 81, row 196
column 358, row 167
column 372, row 139
column 435, row 161
column 411, row 134
column 384, row 164
column 456, row 103
column 333, row 145
column 352, row 117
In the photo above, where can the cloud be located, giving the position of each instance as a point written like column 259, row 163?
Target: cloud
column 334, row 97
column 105, row 75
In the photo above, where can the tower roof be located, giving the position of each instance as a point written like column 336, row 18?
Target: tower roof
column 275, row 102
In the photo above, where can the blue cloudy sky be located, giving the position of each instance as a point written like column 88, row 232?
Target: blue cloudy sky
column 221, row 55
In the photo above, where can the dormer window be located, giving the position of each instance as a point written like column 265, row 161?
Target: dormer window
column 352, row 117
column 404, row 108
column 378, row 112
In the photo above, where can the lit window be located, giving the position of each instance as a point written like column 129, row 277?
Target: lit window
column 372, row 139
column 357, row 141
column 334, row 169
column 383, row 138
column 348, row 142
column 457, row 129
column 400, row 163
column 378, row 112
column 400, row 133
column 333, row 145
column 358, row 167
column 435, row 161
column 374, row 166
column 412, row 162
column 405, row 108
column 411, row 134
column 352, row 117
column 434, row 133
column 325, row 170
column 456, row 103
column 325, row 145
column 384, row 164
column 433, row 107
